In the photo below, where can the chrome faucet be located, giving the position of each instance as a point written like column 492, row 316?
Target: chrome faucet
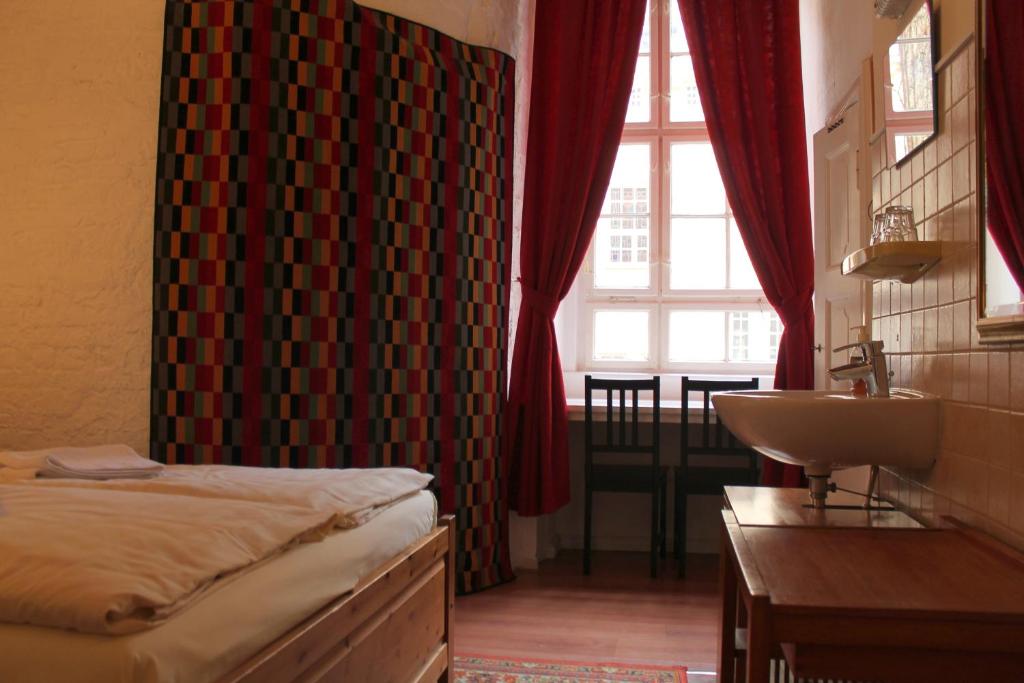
column 870, row 367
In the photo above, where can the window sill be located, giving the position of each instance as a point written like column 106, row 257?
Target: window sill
column 671, row 388
column 671, row 382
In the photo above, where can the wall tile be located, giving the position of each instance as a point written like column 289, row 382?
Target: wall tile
column 917, row 341
column 931, row 329
column 944, row 341
column 917, row 294
column 931, row 285
column 978, row 392
column 906, row 372
column 973, row 433
column 1000, row 484
column 999, row 379
column 961, row 326
column 1017, row 442
column 958, row 74
column 944, row 148
column 999, row 439
column 961, row 174
column 959, row 122
column 975, row 337
column 961, row 263
column 1017, row 502
column 1017, row 380
column 961, row 376
column 929, row 157
column 931, row 194
column 974, row 476
column 944, row 280
column 962, row 221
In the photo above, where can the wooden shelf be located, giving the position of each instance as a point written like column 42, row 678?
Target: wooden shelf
column 903, row 261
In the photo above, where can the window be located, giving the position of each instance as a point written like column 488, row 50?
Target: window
column 668, row 284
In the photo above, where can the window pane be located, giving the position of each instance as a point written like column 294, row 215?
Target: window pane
column 696, row 184
column 639, row 110
column 684, row 100
column 741, row 272
column 696, row 336
column 698, row 253
column 676, row 35
column 754, row 336
column 621, row 260
column 631, row 177
column 621, row 335
column 645, row 37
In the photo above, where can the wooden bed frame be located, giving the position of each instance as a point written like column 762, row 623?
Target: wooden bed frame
column 394, row 627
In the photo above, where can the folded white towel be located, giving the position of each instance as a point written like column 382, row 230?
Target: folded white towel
column 114, row 461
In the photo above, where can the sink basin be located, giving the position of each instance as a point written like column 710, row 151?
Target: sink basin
column 829, row 430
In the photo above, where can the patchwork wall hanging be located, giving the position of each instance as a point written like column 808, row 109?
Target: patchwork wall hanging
column 331, row 271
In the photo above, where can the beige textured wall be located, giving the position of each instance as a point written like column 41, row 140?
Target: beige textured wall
column 79, row 84
column 78, row 117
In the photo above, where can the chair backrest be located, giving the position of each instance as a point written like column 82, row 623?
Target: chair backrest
column 714, row 439
column 619, row 431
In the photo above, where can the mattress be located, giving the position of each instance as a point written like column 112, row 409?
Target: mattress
column 231, row 623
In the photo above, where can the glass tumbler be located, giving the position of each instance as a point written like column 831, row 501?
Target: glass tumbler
column 878, row 228
column 899, row 225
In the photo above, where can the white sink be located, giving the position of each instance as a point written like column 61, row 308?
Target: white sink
column 829, row 430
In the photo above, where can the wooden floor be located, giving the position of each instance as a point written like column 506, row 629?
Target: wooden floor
column 617, row 614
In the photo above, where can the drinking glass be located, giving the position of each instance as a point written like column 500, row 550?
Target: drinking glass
column 899, row 225
column 878, row 228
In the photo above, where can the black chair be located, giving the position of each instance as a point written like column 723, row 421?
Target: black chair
column 621, row 436
column 735, row 463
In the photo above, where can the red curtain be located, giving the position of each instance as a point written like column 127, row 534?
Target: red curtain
column 1004, row 130
column 746, row 58
column 584, row 55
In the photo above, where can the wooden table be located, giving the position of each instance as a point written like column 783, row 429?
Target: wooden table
column 899, row 604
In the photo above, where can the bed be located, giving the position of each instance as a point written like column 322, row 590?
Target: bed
column 286, row 619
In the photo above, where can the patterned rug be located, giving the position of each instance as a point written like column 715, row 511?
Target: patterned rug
column 486, row 670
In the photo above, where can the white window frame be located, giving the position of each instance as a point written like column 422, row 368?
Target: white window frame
column 660, row 134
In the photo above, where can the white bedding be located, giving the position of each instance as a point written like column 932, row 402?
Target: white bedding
column 120, row 556
column 230, row 623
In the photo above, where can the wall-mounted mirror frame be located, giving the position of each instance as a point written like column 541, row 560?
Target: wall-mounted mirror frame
column 1001, row 321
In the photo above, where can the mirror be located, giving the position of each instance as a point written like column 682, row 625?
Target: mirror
column 910, row 92
column 1001, row 155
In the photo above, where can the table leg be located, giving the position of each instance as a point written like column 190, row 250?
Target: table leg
column 727, row 589
column 759, row 644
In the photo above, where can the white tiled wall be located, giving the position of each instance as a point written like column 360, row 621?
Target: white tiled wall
column 928, row 330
